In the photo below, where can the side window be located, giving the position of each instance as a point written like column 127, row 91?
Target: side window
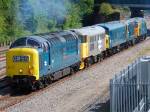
column 127, row 29
column 103, row 35
column 95, row 38
column 45, row 47
column 83, row 39
column 92, row 39
column 64, row 50
column 99, row 42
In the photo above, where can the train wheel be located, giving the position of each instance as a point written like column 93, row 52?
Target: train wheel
column 98, row 58
column 133, row 42
column 110, row 53
column 95, row 59
column 39, row 85
column 114, row 50
column 102, row 57
column 49, row 80
column 33, row 88
column 86, row 64
column 89, row 61
column 76, row 68
column 45, row 82
column 126, row 45
column 145, row 36
column 14, row 87
column 72, row 71
column 30, row 86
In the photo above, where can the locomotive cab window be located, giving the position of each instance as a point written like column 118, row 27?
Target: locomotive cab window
column 19, row 42
column 83, row 39
column 33, row 43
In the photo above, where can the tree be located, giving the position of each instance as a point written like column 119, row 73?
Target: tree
column 73, row 18
column 86, row 6
column 10, row 24
column 106, row 9
column 24, row 17
column 2, row 28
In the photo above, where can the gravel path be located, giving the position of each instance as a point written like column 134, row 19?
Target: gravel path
column 76, row 93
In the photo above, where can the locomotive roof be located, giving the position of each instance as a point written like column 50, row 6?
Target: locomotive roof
column 138, row 19
column 112, row 25
column 129, row 21
column 49, row 36
column 37, row 38
column 26, row 40
column 90, row 31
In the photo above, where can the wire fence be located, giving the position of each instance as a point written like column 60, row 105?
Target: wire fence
column 5, row 44
column 130, row 89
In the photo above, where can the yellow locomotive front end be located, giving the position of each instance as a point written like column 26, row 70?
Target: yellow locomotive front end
column 22, row 63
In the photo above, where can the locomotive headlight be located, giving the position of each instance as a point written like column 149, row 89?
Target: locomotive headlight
column 20, row 70
column 31, row 68
column 31, row 71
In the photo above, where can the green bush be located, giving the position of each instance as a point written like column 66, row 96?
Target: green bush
column 73, row 18
column 106, row 9
column 12, row 26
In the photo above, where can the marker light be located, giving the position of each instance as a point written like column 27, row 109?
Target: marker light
column 20, row 71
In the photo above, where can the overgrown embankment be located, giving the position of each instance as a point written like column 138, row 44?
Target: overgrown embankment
column 26, row 17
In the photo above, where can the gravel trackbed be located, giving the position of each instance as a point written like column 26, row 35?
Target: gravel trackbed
column 78, row 91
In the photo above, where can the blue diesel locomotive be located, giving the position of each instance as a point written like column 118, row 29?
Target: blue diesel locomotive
column 44, row 57
column 35, row 61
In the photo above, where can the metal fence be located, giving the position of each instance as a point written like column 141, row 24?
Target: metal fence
column 5, row 44
column 3, row 59
column 130, row 89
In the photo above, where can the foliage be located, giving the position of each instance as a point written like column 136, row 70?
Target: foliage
column 25, row 17
column 2, row 25
column 106, row 9
column 73, row 18
column 86, row 6
column 111, row 13
column 10, row 27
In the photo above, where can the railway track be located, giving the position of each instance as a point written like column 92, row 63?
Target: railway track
column 11, row 100
column 14, row 98
column 4, row 83
column 9, row 97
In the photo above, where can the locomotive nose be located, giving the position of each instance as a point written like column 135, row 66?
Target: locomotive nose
column 21, row 62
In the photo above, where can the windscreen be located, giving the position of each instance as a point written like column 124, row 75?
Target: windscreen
column 25, row 42
column 19, row 42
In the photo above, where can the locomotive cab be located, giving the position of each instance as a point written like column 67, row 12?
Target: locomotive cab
column 23, row 60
